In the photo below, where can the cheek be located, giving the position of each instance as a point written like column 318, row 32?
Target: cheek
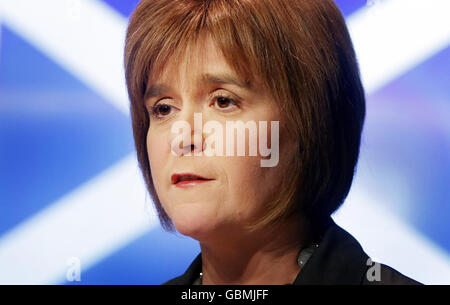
column 157, row 154
column 248, row 188
column 254, row 185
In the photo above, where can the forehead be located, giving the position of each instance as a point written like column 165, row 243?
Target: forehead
column 200, row 62
column 197, row 57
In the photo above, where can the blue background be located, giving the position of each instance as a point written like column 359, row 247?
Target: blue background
column 48, row 116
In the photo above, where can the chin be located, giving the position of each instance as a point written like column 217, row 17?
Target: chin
column 193, row 222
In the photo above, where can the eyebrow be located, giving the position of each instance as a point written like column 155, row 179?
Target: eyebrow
column 160, row 89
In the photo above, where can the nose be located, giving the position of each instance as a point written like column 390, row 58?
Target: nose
column 196, row 145
column 188, row 137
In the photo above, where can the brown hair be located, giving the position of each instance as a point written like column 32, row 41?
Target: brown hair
column 300, row 49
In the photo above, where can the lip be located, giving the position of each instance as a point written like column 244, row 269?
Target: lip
column 195, row 179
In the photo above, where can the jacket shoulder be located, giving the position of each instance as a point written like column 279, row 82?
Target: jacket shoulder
column 179, row 280
column 387, row 276
column 190, row 275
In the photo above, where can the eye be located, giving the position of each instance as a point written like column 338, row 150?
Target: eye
column 160, row 111
column 225, row 103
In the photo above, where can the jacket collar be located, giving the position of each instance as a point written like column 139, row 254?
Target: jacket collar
column 339, row 259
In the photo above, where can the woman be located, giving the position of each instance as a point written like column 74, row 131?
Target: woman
column 290, row 62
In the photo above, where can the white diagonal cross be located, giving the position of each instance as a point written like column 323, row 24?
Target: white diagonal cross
column 88, row 43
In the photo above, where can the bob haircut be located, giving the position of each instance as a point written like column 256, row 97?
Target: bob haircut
column 300, row 50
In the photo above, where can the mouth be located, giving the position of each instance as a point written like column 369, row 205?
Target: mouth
column 188, row 179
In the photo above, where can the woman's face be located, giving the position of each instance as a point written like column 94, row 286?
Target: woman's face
column 240, row 187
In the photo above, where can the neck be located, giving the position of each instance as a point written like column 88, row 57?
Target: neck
column 266, row 257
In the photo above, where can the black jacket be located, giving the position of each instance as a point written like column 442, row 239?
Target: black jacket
column 339, row 259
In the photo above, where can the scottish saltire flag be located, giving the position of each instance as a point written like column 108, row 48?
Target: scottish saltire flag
column 73, row 206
